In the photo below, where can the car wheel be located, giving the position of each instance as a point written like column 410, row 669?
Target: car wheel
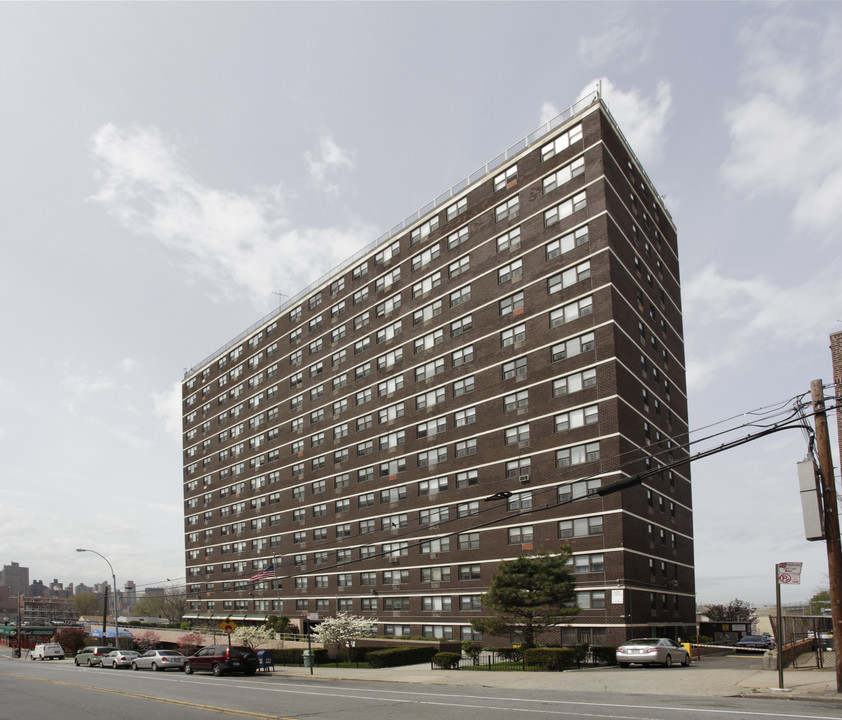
column 188, row 668
column 250, row 672
column 624, row 665
column 668, row 661
column 76, row 660
column 134, row 666
column 686, row 661
column 154, row 667
column 89, row 662
column 216, row 669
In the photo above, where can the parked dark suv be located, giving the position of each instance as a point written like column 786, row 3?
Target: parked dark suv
column 221, row 659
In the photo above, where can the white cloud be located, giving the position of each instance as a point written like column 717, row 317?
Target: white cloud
column 242, row 243
column 624, row 39
column 755, row 315
column 168, row 409
column 642, row 118
column 329, row 160
column 129, row 364
column 548, row 112
column 87, row 386
column 786, row 132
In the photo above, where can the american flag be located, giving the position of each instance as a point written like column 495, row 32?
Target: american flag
column 264, row 574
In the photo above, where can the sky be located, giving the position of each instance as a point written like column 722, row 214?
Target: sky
column 171, row 172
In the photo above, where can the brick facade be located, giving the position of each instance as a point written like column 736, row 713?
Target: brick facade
column 523, row 336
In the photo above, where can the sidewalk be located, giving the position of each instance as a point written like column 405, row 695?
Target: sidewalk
column 697, row 680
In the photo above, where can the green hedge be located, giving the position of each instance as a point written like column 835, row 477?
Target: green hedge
column 550, row 658
column 394, row 657
column 511, row 654
column 293, row 656
column 447, row 660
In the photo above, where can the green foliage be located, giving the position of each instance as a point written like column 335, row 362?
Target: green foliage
column 472, row 650
column 819, row 602
column 277, row 624
column 735, row 611
column 705, row 640
column 447, row 660
column 72, row 639
column 85, row 604
column 550, row 658
column 528, row 595
column 394, row 657
column 184, row 626
column 510, row 654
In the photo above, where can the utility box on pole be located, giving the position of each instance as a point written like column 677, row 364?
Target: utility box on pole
column 811, row 500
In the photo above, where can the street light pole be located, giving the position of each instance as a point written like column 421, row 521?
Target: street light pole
column 114, row 594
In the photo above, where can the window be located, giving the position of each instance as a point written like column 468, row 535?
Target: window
column 467, row 509
column 591, row 600
column 572, row 347
column 462, row 356
column 314, row 301
column 567, row 242
column 506, row 179
column 515, row 435
column 362, row 345
column 315, row 323
column 520, row 535
column 337, row 286
column 508, row 209
column 457, row 297
column 516, row 401
column 464, row 417
column 362, row 371
column 317, row 368
column 575, row 382
column 341, row 481
column 460, row 326
column 424, row 230
column 435, row 602
column 519, row 501
column 429, row 370
column 389, row 332
column 388, row 414
column 513, row 335
column 564, row 175
column 593, row 562
column 365, row 448
column 360, row 271
column 392, row 468
column 562, row 142
column 463, row 386
column 466, row 478
column 457, row 238
column 396, row 549
column 340, row 406
column 363, row 396
column 392, row 440
column 368, row 578
column 457, row 209
column 429, row 340
column 425, row 257
column 513, row 304
column 366, row 500
column 571, row 311
column 569, row 277
column 565, row 209
column 384, row 362
column 510, row 271
column 514, row 368
column 429, row 399
column 435, row 574
column 295, row 336
column 509, row 240
column 341, row 456
column 431, row 427
column 295, row 314
column 427, row 313
column 390, row 386
column 469, row 572
column 342, row 506
column 462, row 265
column 360, row 295
column 463, row 448
column 577, row 418
column 335, row 336
column 365, row 474
column 386, row 281
column 438, row 545
column 432, row 457
column 432, row 487
column 339, row 382
column 387, row 253
column 364, row 422
column 577, row 455
column 580, row 527
column 426, row 285
column 519, row 468
column 388, row 305
column 295, row 358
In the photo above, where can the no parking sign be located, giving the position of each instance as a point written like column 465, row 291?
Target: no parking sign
column 789, row 573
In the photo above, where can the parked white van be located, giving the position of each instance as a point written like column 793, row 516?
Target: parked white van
column 47, row 651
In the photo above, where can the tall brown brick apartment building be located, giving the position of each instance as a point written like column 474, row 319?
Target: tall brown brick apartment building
column 452, row 397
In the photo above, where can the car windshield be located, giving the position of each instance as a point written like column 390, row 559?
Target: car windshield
column 753, row 638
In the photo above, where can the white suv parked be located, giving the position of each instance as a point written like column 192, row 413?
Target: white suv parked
column 47, row 651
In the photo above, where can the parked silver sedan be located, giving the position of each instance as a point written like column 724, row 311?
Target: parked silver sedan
column 119, row 659
column 159, row 660
column 652, row 651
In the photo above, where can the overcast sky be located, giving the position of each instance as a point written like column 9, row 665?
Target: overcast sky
column 167, row 171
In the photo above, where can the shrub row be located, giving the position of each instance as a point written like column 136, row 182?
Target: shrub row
column 550, row 658
column 393, row 657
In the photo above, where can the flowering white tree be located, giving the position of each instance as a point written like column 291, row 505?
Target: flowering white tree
column 252, row 635
column 341, row 630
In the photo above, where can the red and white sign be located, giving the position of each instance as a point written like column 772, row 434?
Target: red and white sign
column 789, row 573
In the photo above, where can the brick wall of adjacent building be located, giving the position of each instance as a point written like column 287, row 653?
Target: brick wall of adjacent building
column 542, row 355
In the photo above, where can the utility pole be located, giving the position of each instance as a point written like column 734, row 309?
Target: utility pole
column 831, row 521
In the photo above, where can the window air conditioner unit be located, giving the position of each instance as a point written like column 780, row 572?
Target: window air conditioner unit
column 523, row 479
column 394, row 560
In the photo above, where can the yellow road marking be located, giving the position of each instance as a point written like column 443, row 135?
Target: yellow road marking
column 140, row 696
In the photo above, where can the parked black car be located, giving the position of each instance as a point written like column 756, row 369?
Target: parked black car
column 222, row 659
column 755, row 643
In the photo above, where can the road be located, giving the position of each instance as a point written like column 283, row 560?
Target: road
column 44, row 690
